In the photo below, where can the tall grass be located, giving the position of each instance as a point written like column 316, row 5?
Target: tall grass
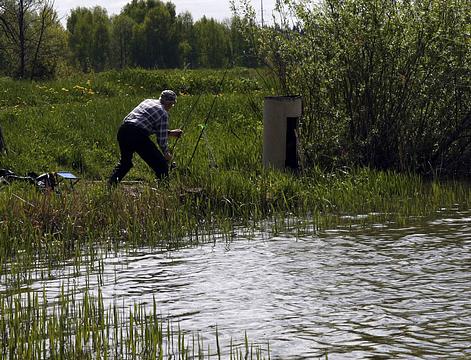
column 204, row 202
column 71, row 125
column 81, row 326
column 74, row 126
column 223, row 182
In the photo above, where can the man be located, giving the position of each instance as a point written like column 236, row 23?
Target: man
column 149, row 117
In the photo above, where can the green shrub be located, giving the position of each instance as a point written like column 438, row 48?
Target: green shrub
column 385, row 83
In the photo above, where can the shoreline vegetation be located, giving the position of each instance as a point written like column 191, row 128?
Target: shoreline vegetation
column 71, row 124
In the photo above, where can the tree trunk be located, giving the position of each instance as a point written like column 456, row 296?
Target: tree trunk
column 451, row 138
column 22, row 38
column 18, row 20
column 44, row 25
column 3, row 146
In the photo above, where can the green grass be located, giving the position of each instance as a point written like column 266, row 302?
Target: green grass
column 71, row 125
column 81, row 326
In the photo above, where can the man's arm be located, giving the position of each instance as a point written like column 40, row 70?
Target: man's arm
column 162, row 135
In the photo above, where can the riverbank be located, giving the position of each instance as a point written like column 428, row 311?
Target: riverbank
column 71, row 241
column 192, row 207
column 71, row 125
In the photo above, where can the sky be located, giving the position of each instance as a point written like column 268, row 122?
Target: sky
column 217, row 9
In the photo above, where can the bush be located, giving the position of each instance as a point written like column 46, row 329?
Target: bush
column 385, row 84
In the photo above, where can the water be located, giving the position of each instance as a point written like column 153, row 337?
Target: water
column 375, row 292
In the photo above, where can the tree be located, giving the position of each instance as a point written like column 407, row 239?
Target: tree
column 185, row 38
column 89, row 38
column 101, row 39
column 157, row 24
column 138, row 9
column 52, row 53
column 79, row 26
column 25, row 25
column 385, row 83
column 149, row 34
column 242, row 49
column 212, row 43
column 155, row 44
column 121, row 40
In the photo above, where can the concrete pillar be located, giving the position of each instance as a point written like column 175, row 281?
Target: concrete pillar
column 280, row 124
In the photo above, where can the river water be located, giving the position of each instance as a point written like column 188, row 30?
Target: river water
column 379, row 291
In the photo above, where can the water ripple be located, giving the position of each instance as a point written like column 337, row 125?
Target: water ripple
column 381, row 293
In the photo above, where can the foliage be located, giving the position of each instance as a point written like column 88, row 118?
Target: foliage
column 146, row 34
column 71, row 123
column 154, row 45
column 82, row 325
column 211, row 44
column 121, row 40
column 89, row 38
column 385, row 84
column 31, row 39
column 149, row 34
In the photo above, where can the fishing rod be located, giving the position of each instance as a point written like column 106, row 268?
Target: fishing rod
column 211, row 157
column 207, row 118
column 187, row 119
column 190, row 111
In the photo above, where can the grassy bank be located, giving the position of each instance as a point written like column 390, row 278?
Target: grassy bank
column 194, row 206
column 71, row 125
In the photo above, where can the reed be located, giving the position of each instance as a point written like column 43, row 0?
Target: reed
column 223, row 189
column 34, row 328
column 52, row 227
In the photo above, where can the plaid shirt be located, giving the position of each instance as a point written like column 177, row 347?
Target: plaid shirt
column 151, row 117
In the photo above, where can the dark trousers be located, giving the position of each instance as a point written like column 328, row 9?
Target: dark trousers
column 132, row 140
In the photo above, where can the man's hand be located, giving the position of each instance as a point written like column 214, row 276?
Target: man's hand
column 168, row 156
column 175, row 133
